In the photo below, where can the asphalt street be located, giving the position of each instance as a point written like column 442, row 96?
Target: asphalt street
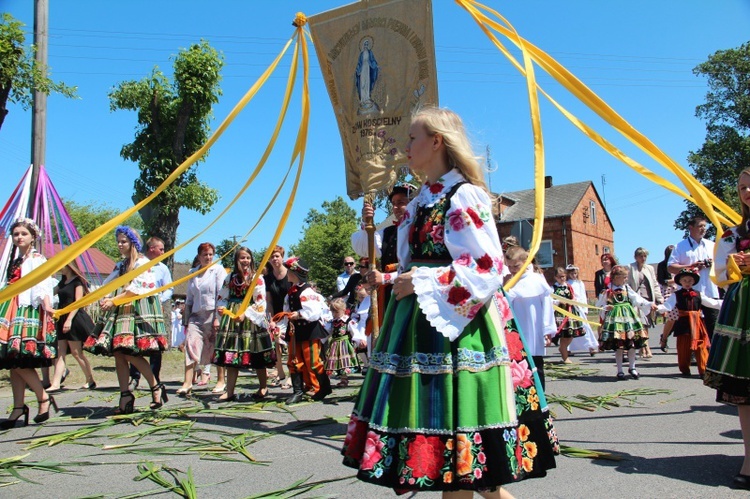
column 677, row 443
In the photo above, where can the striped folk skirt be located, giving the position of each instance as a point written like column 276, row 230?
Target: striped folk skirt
column 136, row 328
column 728, row 369
column 27, row 336
column 243, row 345
column 439, row 415
column 622, row 328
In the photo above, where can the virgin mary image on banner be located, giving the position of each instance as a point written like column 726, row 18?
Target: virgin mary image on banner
column 365, row 76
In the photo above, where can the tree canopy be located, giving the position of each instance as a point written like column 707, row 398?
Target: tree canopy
column 726, row 150
column 20, row 77
column 326, row 241
column 173, row 123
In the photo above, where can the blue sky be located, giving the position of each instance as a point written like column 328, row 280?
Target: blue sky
column 637, row 55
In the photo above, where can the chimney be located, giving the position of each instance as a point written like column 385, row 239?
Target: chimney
column 547, row 181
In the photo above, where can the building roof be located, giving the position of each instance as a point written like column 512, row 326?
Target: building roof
column 560, row 201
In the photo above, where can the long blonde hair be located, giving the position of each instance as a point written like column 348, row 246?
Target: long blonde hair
column 459, row 153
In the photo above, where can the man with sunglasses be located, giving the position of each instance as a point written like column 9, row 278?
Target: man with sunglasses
column 349, row 270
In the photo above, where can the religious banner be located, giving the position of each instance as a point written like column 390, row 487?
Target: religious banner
column 378, row 63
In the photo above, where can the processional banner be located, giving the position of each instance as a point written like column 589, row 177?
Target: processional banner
column 378, row 63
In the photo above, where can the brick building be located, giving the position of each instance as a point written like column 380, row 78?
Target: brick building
column 577, row 229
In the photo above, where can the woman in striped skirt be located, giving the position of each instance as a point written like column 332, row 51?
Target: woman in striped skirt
column 728, row 369
column 134, row 329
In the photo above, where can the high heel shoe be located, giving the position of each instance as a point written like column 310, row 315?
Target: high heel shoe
column 129, row 405
column 44, row 416
column 162, row 399
column 184, row 392
column 11, row 423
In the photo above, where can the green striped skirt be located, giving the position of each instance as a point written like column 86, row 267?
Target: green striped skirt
column 27, row 336
column 135, row 328
column 622, row 328
column 243, row 344
column 439, row 415
column 728, row 369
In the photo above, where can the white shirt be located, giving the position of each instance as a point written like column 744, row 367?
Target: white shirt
column 532, row 308
column 342, row 279
column 689, row 251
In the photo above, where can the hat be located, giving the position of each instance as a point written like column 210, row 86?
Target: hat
column 298, row 266
column 404, row 188
column 687, row 272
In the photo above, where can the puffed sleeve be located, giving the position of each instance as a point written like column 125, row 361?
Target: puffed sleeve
column 724, row 248
column 256, row 312
column 313, row 305
column 143, row 282
column 451, row 296
column 223, row 297
column 44, row 288
column 359, row 242
column 668, row 305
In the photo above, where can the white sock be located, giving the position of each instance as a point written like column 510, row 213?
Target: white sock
column 631, row 358
column 618, row 359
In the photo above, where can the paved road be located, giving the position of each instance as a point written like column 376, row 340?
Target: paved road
column 680, row 444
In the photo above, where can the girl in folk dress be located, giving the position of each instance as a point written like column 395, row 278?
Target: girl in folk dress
column 27, row 333
column 244, row 342
column 621, row 326
column 567, row 327
column 728, row 369
column 450, row 401
column 342, row 357
column 135, row 329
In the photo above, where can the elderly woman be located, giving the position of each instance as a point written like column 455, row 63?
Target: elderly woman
column 203, row 317
column 642, row 278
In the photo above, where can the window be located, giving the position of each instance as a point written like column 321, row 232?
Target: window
column 544, row 257
column 606, row 249
column 596, row 249
column 592, row 212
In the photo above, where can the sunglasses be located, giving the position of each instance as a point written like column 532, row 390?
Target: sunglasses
column 348, row 264
column 364, row 266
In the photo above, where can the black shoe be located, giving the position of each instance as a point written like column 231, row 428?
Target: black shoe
column 258, row 396
column 741, row 481
column 231, row 398
column 44, row 416
column 298, row 389
column 634, row 374
column 129, row 405
column 620, row 375
column 11, row 423
column 325, row 387
column 161, row 399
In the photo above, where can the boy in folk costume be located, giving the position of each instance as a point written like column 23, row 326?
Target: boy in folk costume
column 689, row 328
column 305, row 308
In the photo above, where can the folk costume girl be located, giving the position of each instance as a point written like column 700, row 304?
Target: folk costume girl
column 27, row 332
column 341, row 356
column 243, row 343
column 689, row 328
column 450, row 400
column 567, row 327
column 728, row 369
column 621, row 325
column 135, row 329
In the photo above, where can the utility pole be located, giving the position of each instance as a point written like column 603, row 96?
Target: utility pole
column 39, row 106
column 604, row 195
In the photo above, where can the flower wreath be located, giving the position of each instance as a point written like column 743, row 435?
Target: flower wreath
column 31, row 225
column 130, row 234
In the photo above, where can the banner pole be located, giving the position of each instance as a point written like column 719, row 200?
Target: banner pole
column 370, row 229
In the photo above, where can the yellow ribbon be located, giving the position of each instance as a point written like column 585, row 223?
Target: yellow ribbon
column 123, row 280
column 574, row 316
column 698, row 194
column 575, row 303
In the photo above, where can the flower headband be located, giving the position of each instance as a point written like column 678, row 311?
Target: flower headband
column 296, row 265
column 130, row 234
column 29, row 223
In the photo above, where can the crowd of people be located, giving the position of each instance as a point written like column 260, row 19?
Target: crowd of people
column 444, row 326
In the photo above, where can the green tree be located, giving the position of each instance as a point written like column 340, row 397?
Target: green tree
column 726, row 150
column 20, row 77
column 87, row 217
column 173, row 120
column 326, row 241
